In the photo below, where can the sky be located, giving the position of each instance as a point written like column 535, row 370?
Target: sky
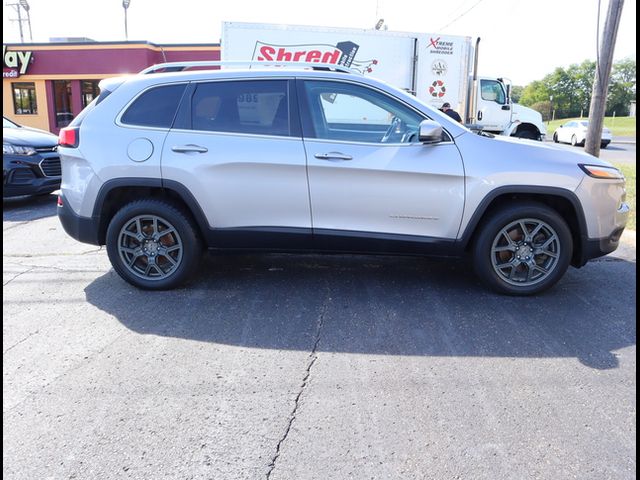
column 521, row 40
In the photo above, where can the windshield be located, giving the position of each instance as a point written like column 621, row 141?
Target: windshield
column 6, row 123
column 584, row 124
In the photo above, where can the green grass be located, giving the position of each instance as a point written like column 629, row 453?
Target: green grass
column 630, row 174
column 619, row 126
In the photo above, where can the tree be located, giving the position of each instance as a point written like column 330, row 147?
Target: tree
column 544, row 108
column 622, row 87
column 535, row 92
column 571, row 89
column 516, row 93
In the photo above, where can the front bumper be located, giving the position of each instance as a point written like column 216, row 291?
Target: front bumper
column 83, row 229
column 30, row 174
column 594, row 248
column 597, row 247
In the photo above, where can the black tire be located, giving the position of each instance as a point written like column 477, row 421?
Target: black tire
column 604, row 145
column 555, row 137
column 135, row 233
column 574, row 140
column 501, row 261
column 528, row 134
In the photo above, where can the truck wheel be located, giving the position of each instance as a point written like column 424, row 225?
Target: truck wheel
column 528, row 134
column 523, row 249
column 153, row 244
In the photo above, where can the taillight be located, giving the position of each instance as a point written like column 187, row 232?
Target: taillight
column 69, row 137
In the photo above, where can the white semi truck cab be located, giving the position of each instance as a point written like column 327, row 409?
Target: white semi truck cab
column 436, row 68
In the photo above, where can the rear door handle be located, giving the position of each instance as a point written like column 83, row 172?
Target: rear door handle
column 333, row 156
column 189, row 149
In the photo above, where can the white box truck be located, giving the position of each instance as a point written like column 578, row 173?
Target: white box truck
column 436, row 68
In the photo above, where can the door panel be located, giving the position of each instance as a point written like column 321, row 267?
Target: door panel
column 242, row 180
column 239, row 158
column 411, row 189
column 387, row 184
column 491, row 98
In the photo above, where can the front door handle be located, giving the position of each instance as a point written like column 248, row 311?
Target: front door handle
column 333, row 156
column 189, row 149
column 479, row 114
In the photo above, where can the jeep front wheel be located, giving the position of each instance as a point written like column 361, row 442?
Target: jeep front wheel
column 153, row 244
column 523, row 249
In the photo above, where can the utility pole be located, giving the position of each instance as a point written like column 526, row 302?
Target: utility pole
column 601, row 79
column 25, row 4
column 125, row 5
column 18, row 8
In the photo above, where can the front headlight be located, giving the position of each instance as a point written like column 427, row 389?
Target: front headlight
column 17, row 149
column 596, row 171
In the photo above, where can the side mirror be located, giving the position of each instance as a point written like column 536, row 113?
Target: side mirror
column 430, row 132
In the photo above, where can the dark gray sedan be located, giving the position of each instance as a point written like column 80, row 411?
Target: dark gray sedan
column 30, row 161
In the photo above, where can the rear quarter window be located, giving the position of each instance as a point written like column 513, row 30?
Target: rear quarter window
column 156, row 107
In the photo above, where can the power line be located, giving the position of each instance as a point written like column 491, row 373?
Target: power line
column 461, row 15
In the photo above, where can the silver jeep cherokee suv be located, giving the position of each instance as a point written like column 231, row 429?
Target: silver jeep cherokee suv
column 161, row 165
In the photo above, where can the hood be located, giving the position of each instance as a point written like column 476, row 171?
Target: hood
column 521, row 151
column 528, row 115
column 29, row 137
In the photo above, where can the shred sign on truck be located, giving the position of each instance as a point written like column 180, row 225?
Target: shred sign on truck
column 436, row 68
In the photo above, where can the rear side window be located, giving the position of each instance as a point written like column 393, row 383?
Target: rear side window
column 256, row 107
column 155, row 107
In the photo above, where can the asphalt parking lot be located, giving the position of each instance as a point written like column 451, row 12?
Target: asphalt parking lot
column 309, row 367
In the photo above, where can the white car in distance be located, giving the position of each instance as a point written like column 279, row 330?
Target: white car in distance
column 575, row 133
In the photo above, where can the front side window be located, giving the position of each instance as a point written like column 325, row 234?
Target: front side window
column 492, row 91
column 253, row 107
column 155, row 108
column 347, row 112
column 24, row 98
column 62, row 96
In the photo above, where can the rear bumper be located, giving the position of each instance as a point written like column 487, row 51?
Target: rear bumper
column 83, row 229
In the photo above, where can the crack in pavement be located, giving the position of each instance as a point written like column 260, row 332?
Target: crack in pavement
column 19, row 274
column 88, row 358
column 11, row 227
column 313, row 356
column 62, row 254
column 20, row 341
column 58, row 269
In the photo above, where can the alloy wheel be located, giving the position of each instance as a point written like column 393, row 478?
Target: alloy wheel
column 150, row 247
column 525, row 252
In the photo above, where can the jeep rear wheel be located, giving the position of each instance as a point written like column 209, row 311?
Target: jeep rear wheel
column 153, row 245
column 523, row 249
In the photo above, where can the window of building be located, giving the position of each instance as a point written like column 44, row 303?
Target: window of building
column 155, row 107
column 24, row 98
column 90, row 90
column 257, row 107
column 62, row 95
